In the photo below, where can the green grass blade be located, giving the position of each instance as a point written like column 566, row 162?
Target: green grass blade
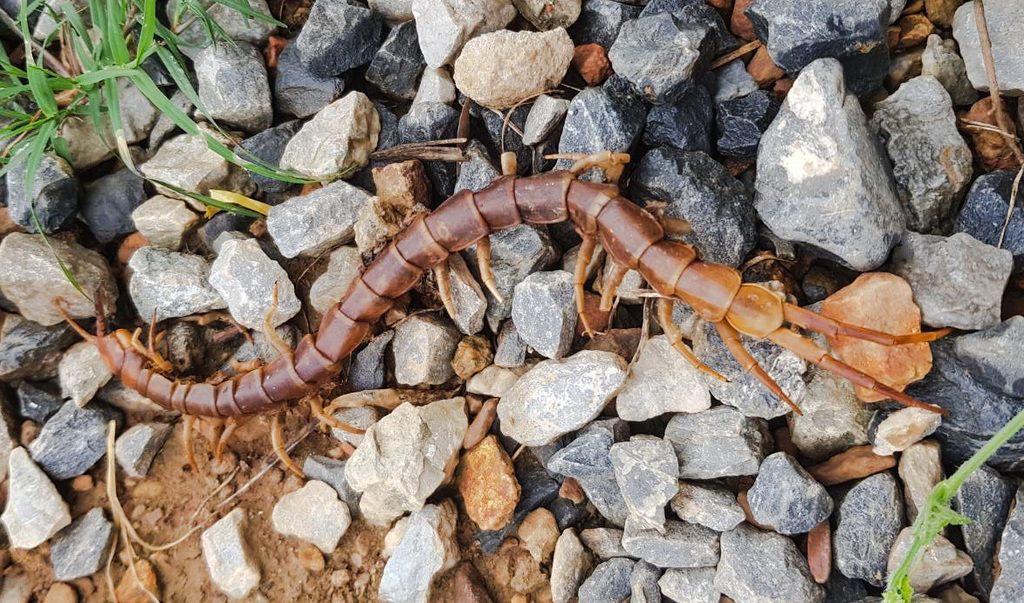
column 77, row 24
column 243, row 7
column 106, row 73
column 41, row 92
column 229, row 207
column 114, row 38
column 148, row 30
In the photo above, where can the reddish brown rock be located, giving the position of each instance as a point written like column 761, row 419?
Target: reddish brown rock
column 993, row 150
column 855, row 463
column 481, row 423
column 572, row 490
column 129, row 246
column 488, row 484
column 782, row 86
column 724, row 7
column 819, row 551
column 404, row 183
column 275, row 45
column 472, row 355
column 914, row 30
column 591, row 61
column 892, row 35
column 764, row 71
column 883, row 302
column 130, row 591
column 469, row 586
column 740, row 24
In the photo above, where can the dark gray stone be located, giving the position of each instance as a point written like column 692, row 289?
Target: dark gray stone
column 683, row 544
column 694, row 187
column 661, row 56
column 868, row 519
column 609, row 118
column 707, row 504
column 233, row 86
column 81, row 549
column 684, row 124
column 985, row 497
column 511, row 349
column 797, row 32
column 338, row 35
column 268, row 147
column 502, row 138
column 587, row 459
column 72, row 440
column 108, row 203
column 731, row 81
column 478, row 170
column 297, row 91
column 544, row 311
column 396, row 68
column 332, row 472
column 432, row 121
column 609, row 583
column 764, row 567
column 742, row 121
column 786, row 497
column 840, row 589
column 993, row 356
column 222, row 222
column 984, row 214
column 718, row 442
column 54, row 195
column 600, row 20
column 28, row 350
column 367, row 370
column 1009, row 586
column 643, row 583
column 696, row 13
column 38, row 401
column 138, row 446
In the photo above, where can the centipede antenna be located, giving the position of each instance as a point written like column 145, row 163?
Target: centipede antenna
column 444, row 287
column 675, row 338
column 731, row 339
column 483, row 262
column 611, row 285
column 583, row 258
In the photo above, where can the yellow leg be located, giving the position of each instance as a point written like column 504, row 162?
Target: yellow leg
column 509, row 164
column 188, row 423
column 270, row 332
column 277, row 440
column 444, row 287
column 483, row 262
column 675, row 337
column 583, row 257
column 316, row 406
column 611, row 285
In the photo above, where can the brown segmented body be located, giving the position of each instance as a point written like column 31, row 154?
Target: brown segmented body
column 631, row 236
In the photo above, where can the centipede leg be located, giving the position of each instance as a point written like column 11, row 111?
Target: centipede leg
column 269, row 332
column 316, row 407
column 444, row 287
column 611, row 285
column 675, row 337
column 583, row 258
column 611, row 163
column 809, row 351
column 230, row 425
column 813, row 321
column 509, row 164
column 483, row 261
column 731, row 339
column 277, row 440
column 59, row 304
column 675, row 226
column 188, row 423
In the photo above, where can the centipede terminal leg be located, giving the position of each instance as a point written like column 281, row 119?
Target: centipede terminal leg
column 583, row 258
column 731, row 339
column 611, row 284
column 483, row 260
column 675, row 338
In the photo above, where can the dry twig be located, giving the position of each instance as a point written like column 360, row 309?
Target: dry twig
column 993, row 84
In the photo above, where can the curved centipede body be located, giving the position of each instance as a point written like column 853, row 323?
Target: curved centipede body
column 632, row 237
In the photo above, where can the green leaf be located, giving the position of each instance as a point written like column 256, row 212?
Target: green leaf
column 61, row 148
column 149, row 23
column 41, row 90
column 243, row 7
column 106, row 73
column 114, row 38
column 77, row 24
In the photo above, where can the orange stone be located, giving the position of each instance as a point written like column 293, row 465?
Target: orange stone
column 472, row 355
column 992, row 149
column 855, row 463
column 404, row 183
column 487, row 483
column 914, row 30
column 130, row 591
column 819, row 551
column 740, row 24
column 764, row 71
column 275, row 45
column 591, row 61
column 129, row 246
column 782, row 86
column 883, row 302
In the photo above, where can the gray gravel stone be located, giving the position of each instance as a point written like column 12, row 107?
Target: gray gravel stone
column 73, row 440
column 732, row 81
column 427, row 549
column 186, row 162
column 168, row 284
column 311, row 224
column 29, row 350
column 833, row 418
column 604, row 542
column 468, row 297
column 985, row 211
column 661, row 381
column 1004, row 18
column 1009, row 586
column 692, row 585
column 742, row 121
column 515, row 254
column 694, row 187
column 985, row 497
column 600, row 20
column 88, row 147
column 35, row 511
column 338, row 36
column 686, row 124
column 268, row 146
column 511, row 349
column 398, row 63
column 332, row 472
column 609, row 118
column 587, row 459
column 718, row 442
column 446, row 25
column 337, row 141
column 37, row 402
column 957, row 281
column 367, row 369
column 239, row 27
column 569, row 567
column 81, row 549
column 233, row 86
column 786, row 497
column 343, row 266
column 229, row 559
column 108, row 202
column 361, row 417
column 314, row 514
column 764, row 567
column 920, row 469
column 868, row 519
column 246, row 277
column 742, row 390
column 82, row 372
column 549, row 14
column 707, row 504
column 992, row 355
column 545, row 116
column 931, row 162
column 643, row 583
column 822, row 178
column 436, row 86
column 682, row 545
column 941, row 561
column 544, row 311
column 138, row 446
column 404, row 457
column 560, row 396
column 647, row 471
column 609, row 583
column 164, row 221
column 942, row 61
column 297, row 91
column 854, row 33
column 423, row 348
column 661, row 56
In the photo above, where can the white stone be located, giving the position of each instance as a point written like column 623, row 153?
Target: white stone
column 903, row 428
column 405, row 457
column 941, row 562
column 569, row 567
column 337, row 141
column 188, row 163
column 245, row 277
column 494, row 381
column 82, row 372
column 168, row 284
column 313, row 513
column 436, row 86
column 661, row 381
column 229, row 559
column 328, row 289
column 427, row 548
column 502, row 68
column 35, row 511
column 164, row 221
column 444, row 26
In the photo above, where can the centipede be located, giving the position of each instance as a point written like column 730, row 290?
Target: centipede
column 632, row 238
